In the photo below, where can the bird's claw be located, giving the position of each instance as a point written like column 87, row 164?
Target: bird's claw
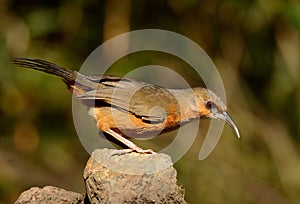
column 136, row 149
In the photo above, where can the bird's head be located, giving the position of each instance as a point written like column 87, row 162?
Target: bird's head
column 211, row 106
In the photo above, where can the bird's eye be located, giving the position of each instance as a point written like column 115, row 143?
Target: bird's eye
column 209, row 105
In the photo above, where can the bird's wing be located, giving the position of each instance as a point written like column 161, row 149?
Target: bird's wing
column 146, row 101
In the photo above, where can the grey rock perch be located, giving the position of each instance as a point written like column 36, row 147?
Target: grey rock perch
column 131, row 178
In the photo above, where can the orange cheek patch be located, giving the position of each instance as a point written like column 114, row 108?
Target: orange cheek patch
column 204, row 111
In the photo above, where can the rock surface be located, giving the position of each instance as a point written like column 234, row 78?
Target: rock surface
column 49, row 194
column 131, row 178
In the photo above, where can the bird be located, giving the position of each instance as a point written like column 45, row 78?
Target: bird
column 125, row 108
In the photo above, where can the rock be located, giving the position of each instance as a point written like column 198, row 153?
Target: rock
column 49, row 195
column 131, row 178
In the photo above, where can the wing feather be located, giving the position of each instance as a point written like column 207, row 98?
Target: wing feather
column 149, row 102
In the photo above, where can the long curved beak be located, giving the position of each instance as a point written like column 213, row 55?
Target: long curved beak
column 231, row 123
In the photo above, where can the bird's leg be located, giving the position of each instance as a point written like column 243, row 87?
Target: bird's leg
column 131, row 145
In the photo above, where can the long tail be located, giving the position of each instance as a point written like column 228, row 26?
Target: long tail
column 48, row 67
column 82, row 84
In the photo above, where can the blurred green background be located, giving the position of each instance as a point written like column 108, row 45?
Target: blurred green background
column 254, row 44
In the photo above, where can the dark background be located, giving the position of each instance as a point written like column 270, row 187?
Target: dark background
column 254, row 44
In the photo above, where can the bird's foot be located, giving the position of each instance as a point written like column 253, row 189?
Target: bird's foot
column 135, row 149
column 144, row 151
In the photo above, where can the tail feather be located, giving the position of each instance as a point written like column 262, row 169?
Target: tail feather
column 68, row 76
column 76, row 82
